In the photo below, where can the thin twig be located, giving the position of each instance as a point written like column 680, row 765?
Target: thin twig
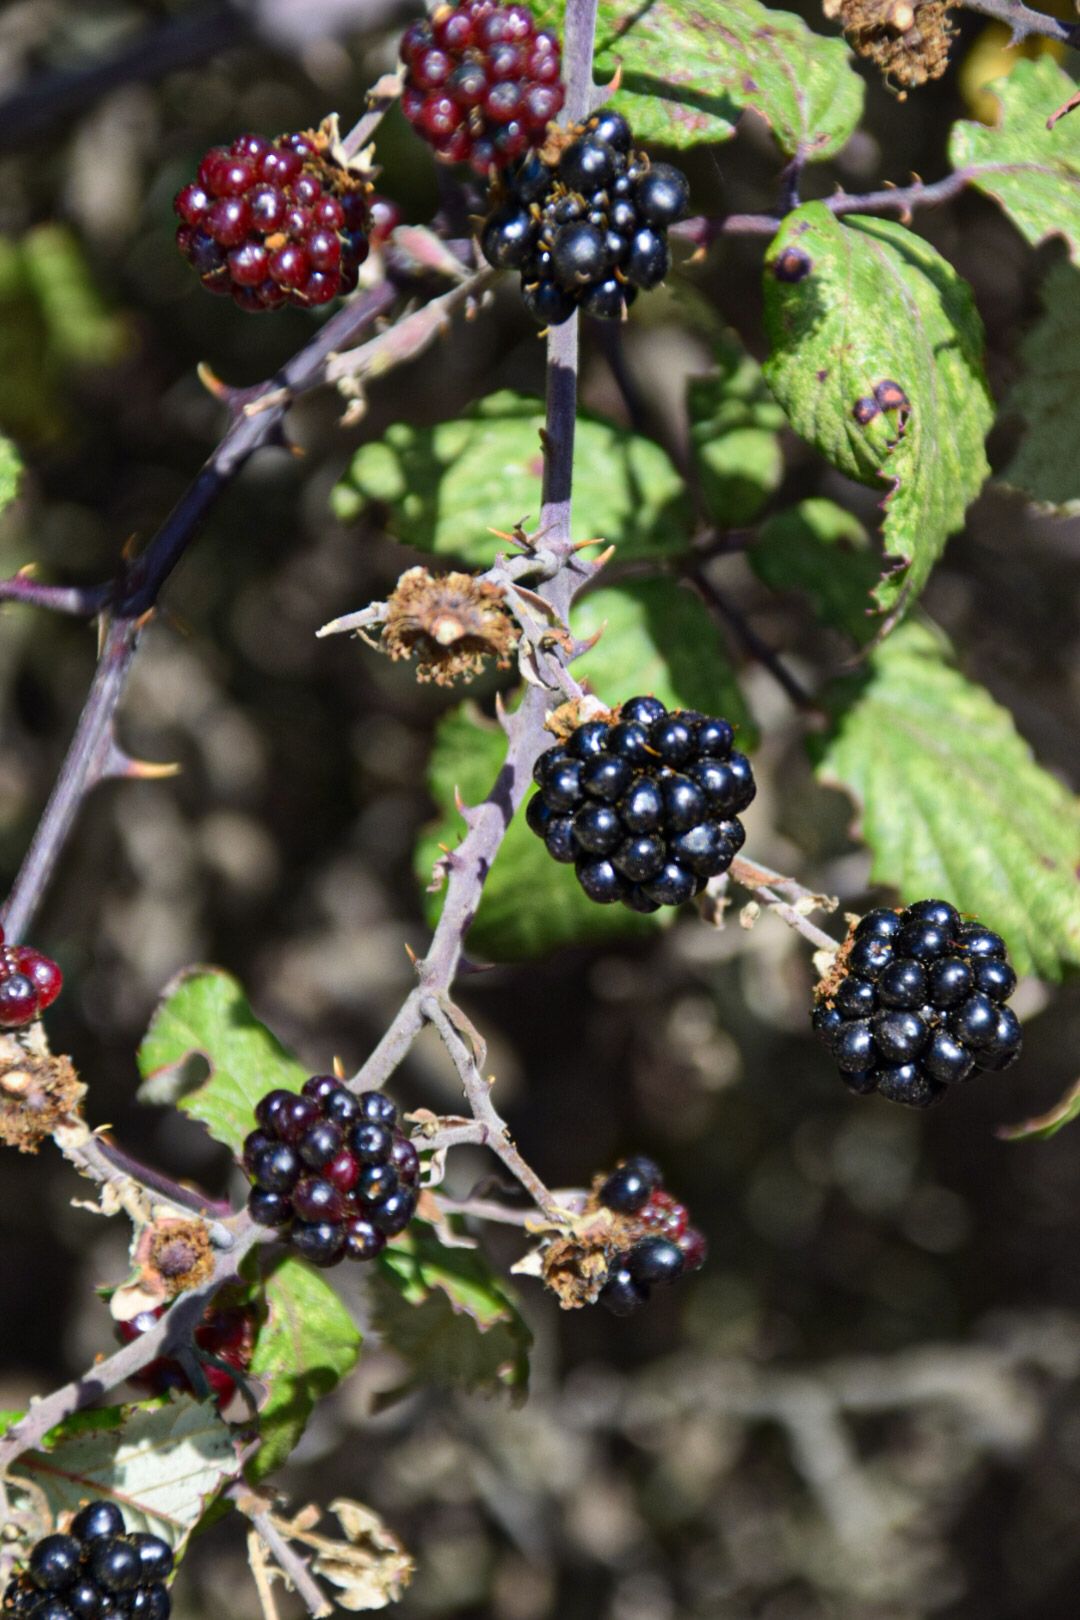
column 722, row 607
column 291, row 1564
column 764, row 884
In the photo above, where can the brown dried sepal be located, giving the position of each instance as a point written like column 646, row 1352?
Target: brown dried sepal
column 908, row 39
column 174, row 1255
column 37, row 1092
column 576, row 1265
column 450, row 622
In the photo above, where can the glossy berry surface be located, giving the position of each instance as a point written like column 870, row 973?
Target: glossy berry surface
column 225, row 1334
column 588, row 231
column 918, row 1004
column 95, row 1570
column 645, row 807
column 655, row 1242
column 349, row 1182
column 29, row 982
column 270, row 223
column 482, row 82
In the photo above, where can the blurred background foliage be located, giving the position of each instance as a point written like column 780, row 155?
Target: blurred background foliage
column 868, row 1406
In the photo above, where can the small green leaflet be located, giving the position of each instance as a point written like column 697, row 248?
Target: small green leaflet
column 1047, row 396
column 306, row 1345
column 162, row 1463
column 879, row 304
column 449, row 1314
column 1032, row 171
column 690, row 68
column 205, row 1015
column 444, row 488
column 735, row 433
column 823, row 550
column 951, row 801
column 658, row 638
column 10, row 472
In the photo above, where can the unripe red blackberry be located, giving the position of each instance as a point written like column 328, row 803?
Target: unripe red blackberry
column 275, row 222
column 482, row 82
column 587, row 229
column 655, row 1242
column 227, row 1334
column 29, row 982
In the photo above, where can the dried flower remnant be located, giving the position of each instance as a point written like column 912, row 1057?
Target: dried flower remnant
column 450, row 623
column 908, row 40
column 37, row 1093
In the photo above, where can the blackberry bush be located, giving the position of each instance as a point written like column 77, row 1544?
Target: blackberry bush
column 657, row 1244
column 481, row 82
column 588, row 230
column 96, row 1570
column 645, row 806
column 917, row 1002
column 275, row 222
column 29, row 982
column 332, row 1170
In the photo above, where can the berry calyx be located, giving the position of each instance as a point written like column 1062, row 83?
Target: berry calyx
column 915, row 1003
column 587, row 229
column 646, row 806
column 331, row 1170
column 481, row 82
column 276, row 222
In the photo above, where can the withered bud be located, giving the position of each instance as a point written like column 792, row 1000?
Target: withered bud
column 37, row 1092
column 451, row 622
column 174, row 1255
column 908, row 39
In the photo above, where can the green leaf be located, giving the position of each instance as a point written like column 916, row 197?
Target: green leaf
column 305, row 1347
column 1031, row 171
column 690, row 68
column 205, row 1015
column 10, row 473
column 1047, row 396
column 880, row 304
column 161, row 1462
column 821, row 549
column 449, row 1315
column 734, row 432
column 446, row 487
column 951, row 801
column 658, row 638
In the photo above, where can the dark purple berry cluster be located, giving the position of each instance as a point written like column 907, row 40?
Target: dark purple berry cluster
column 646, row 807
column 278, row 222
column 590, row 230
column 664, row 1245
column 95, row 1571
column 332, row 1169
column 482, row 82
column 29, row 982
column 917, row 1002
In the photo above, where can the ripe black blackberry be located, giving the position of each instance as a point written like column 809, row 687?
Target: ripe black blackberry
column 275, row 222
column 646, row 805
column 331, row 1169
column 660, row 1244
column 588, row 230
column 95, row 1571
column 916, row 1002
column 481, row 82
column 29, row 982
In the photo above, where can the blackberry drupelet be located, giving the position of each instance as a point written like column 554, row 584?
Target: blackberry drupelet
column 482, row 82
column 331, row 1170
column 589, row 229
column 646, row 807
column 916, row 1003
column 93, row 1570
column 29, row 982
column 275, row 222
column 655, row 1241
